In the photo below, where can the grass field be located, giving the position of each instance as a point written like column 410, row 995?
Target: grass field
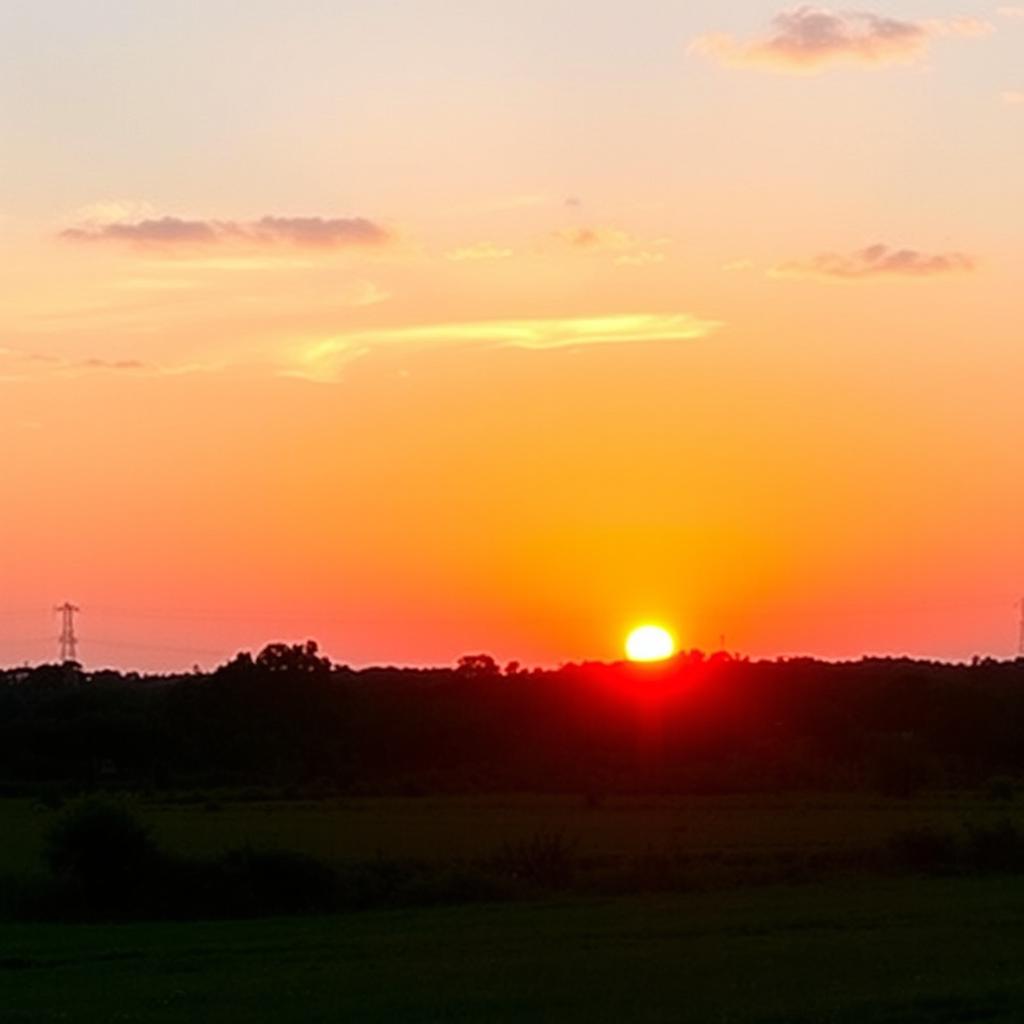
column 906, row 952
column 447, row 828
column 851, row 949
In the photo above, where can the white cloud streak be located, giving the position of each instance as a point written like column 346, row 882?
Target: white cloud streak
column 321, row 359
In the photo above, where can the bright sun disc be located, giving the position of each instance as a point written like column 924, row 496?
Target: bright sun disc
column 650, row 643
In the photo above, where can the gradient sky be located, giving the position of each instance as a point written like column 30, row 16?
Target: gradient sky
column 424, row 327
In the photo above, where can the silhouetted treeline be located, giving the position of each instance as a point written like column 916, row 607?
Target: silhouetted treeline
column 694, row 724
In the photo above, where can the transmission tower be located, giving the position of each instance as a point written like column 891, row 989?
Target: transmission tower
column 67, row 639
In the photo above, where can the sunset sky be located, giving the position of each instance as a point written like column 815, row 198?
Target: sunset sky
column 426, row 327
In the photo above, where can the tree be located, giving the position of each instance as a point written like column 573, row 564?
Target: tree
column 298, row 659
column 477, row 666
column 100, row 844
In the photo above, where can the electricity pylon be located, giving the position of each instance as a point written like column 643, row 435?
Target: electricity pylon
column 67, row 639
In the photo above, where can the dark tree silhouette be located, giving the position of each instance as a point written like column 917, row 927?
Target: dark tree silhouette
column 477, row 666
column 288, row 716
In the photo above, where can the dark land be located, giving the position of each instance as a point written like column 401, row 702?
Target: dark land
column 707, row 839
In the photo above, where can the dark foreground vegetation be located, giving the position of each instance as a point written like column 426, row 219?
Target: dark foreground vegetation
column 936, row 951
column 99, row 859
column 692, row 725
column 291, row 724
column 706, row 840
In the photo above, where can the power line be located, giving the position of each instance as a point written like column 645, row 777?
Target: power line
column 166, row 648
column 199, row 615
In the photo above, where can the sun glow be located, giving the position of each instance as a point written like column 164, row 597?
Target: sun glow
column 650, row 643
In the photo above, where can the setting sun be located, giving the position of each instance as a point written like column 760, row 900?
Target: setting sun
column 650, row 643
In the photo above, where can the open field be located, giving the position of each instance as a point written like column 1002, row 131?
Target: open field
column 452, row 828
column 907, row 952
column 850, row 948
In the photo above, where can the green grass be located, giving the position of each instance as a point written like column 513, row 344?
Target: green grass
column 906, row 952
column 852, row 951
column 447, row 828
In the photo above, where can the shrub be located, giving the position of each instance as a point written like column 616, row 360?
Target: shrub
column 106, row 864
column 547, row 860
column 1002, row 788
column 925, row 849
column 998, row 847
column 657, row 871
column 400, row 883
column 50, row 796
column 457, row 884
column 263, row 882
column 101, row 846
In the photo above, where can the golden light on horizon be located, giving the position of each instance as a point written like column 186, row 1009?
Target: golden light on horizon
column 506, row 426
column 650, row 643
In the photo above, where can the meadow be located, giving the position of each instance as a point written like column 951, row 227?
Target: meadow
column 438, row 829
column 849, row 944
column 914, row 951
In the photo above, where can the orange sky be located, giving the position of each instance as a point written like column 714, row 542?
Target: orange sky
column 423, row 334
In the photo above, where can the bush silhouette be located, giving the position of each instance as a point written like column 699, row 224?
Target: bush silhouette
column 1002, row 787
column 998, row 847
column 547, row 860
column 925, row 849
column 103, row 861
column 254, row 882
column 101, row 846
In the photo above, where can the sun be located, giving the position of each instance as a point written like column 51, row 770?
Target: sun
column 650, row 643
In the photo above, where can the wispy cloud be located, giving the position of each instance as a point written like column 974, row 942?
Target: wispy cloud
column 596, row 238
column 1011, row 11
column 483, row 252
column 111, row 364
column 154, row 284
column 115, row 211
column 178, row 232
column 321, row 359
column 28, row 364
column 164, row 231
column 241, row 263
column 318, row 231
column 1014, row 97
column 808, row 39
column 878, row 261
column 628, row 250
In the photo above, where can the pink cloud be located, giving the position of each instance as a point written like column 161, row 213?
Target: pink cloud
column 172, row 232
column 878, row 261
column 808, row 39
